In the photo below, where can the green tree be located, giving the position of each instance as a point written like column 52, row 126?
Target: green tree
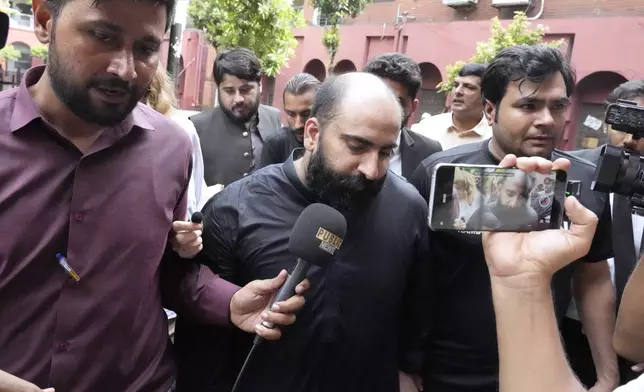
column 40, row 51
column 517, row 33
column 263, row 26
column 335, row 11
column 9, row 53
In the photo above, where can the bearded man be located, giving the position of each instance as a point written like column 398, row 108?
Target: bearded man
column 368, row 309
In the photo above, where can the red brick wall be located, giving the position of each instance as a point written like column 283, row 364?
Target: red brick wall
column 434, row 10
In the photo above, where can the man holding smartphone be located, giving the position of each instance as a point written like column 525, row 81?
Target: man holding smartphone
column 526, row 91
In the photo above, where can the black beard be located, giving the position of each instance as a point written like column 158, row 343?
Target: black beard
column 77, row 97
column 240, row 120
column 346, row 193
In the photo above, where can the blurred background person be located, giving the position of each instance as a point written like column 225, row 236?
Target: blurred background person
column 298, row 98
column 465, row 123
column 232, row 135
column 402, row 75
column 161, row 97
column 468, row 197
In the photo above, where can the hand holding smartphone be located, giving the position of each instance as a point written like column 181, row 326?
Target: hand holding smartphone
column 491, row 198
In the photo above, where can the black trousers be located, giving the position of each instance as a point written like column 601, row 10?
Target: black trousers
column 581, row 358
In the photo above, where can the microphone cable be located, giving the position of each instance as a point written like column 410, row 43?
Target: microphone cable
column 256, row 344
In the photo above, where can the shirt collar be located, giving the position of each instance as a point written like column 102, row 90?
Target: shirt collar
column 398, row 142
column 480, row 129
column 25, row 108
column 291, row 174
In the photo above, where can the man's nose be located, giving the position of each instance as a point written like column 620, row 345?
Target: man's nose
column 299, row 121
column 370, row 166
column 122, row 65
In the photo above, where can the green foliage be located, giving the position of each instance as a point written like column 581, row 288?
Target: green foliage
column 9, row 53
column 335, row 11
column 40, row 51
column 263, row 26
column 517, row 33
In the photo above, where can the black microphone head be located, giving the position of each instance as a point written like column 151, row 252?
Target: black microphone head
column 317, row 234
column 197, row 217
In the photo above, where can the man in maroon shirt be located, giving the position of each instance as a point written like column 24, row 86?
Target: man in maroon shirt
column 91, row 182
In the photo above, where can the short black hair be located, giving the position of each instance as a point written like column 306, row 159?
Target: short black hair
column 629, row 91
column 239, row 62
column 399, row 68
column 56, row 6
column 534, row 63
column 300, row 84
column 472, row 69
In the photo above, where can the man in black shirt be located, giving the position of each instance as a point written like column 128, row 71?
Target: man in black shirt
column 526, row 91
column 298, row 98
column 365, row 319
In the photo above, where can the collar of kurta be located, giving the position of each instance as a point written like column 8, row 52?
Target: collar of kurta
column 294, row 179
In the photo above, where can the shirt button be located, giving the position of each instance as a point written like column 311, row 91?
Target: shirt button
column 246, row 154
column 63, row 346
column 79, row 216
column 245, row 134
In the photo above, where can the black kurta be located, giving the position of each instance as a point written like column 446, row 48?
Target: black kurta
column 365, row 316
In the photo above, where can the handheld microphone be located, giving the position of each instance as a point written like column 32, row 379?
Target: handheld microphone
column 197, row 217
column 317, row 234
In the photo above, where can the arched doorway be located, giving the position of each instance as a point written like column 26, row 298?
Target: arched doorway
column 590, row 94
column 430, row 99
column 344, row 66
column 316, row 68
column 16, row 68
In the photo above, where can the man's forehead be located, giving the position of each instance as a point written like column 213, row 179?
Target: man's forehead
column 141, row 17
column 234, row 81
column 471, row 79
column 552, row 88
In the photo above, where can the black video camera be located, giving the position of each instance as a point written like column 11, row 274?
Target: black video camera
column 620, row 171
column 4, row 29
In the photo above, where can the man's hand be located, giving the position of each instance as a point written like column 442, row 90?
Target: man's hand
column 539, row 254
column 11, row 383
column 409, row 383
column 249, row 306
column 186, row 239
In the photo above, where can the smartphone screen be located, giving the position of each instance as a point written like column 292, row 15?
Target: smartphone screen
column 489, row 198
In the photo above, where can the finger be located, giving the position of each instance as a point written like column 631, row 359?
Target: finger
column 178, row 226
column 302, row 287
column 278, row 318
column 268, row 333
column 530, row 164
column 584, row 223
column 561, row 164
column 291, row 305
column 186, row 237
column 639, row 368
column 267, row 286
column 49, row 390
column 510, row 160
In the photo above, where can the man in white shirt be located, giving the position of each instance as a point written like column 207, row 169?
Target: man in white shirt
column 627, row 243
column 465, row 123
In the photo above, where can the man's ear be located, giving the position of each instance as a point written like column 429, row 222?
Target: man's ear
column 311, row 134
column 490, row 111
column 414, row 107
column 43, row 21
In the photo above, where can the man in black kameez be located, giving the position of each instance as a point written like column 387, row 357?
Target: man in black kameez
column 366, row 314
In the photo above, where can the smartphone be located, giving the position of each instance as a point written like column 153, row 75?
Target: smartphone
column 490, row 198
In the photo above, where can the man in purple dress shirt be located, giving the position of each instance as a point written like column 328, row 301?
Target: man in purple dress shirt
column 92, row 177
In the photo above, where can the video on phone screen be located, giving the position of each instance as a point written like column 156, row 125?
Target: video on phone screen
column 489, row 199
